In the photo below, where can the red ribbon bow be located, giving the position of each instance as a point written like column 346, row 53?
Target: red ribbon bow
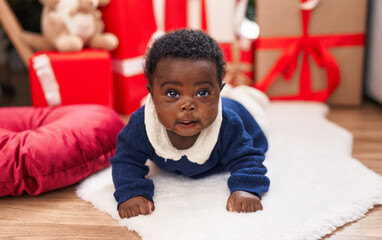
column 315, row 46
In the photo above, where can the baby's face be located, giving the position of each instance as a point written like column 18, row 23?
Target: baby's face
column 186, row 95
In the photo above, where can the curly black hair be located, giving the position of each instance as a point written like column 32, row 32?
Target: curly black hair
column 184, row 44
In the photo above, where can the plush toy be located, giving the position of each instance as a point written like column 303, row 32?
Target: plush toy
column 69, row 25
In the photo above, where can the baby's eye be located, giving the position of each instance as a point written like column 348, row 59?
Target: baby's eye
column 203, row 93
column 172, row 94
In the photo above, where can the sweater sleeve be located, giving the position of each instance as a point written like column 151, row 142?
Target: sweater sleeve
column 243, row 158
column 128, row 164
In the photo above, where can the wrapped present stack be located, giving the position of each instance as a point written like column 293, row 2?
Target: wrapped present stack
column 133, row 23
column 311, row 50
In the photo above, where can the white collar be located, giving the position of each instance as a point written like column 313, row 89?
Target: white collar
column 198, row 153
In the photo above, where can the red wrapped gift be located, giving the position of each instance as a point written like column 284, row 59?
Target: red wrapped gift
column 71, row 78
column 133, row 22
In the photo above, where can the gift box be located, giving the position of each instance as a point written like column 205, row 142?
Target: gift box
column 82, row 77
column 133, row 22
column 310, row 51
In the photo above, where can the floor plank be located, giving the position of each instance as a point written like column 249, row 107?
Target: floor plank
column 57, row 215
column 365, row 123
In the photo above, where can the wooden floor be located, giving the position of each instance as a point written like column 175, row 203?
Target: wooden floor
column 62, row 215
column 365, row 124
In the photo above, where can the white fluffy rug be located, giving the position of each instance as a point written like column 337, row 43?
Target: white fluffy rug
column 316, row 186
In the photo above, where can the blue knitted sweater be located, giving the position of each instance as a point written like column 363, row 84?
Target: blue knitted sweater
column 240, row 149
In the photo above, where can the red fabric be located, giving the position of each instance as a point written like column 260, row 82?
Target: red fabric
column 315, row 46
column 83, row 77
column 42, row 149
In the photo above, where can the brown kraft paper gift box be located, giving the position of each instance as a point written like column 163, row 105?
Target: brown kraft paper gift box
column 282, row 19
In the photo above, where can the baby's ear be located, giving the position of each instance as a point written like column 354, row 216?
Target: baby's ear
column 148, row 86
column 222, row 86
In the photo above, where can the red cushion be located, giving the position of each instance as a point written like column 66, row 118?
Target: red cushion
column 42, row 149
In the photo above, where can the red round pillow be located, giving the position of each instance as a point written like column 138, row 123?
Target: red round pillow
column 42, row 149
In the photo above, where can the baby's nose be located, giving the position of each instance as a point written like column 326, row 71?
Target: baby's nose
column 188, row 104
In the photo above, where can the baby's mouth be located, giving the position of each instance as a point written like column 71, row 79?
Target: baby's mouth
column 187, row 124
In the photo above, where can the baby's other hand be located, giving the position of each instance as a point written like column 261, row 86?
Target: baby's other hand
column 241, row 201
column 135, row 206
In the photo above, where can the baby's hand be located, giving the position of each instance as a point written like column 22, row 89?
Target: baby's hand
column 135, row 206
column 241, row 201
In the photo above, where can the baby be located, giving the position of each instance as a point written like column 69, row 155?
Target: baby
column 186, row 128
